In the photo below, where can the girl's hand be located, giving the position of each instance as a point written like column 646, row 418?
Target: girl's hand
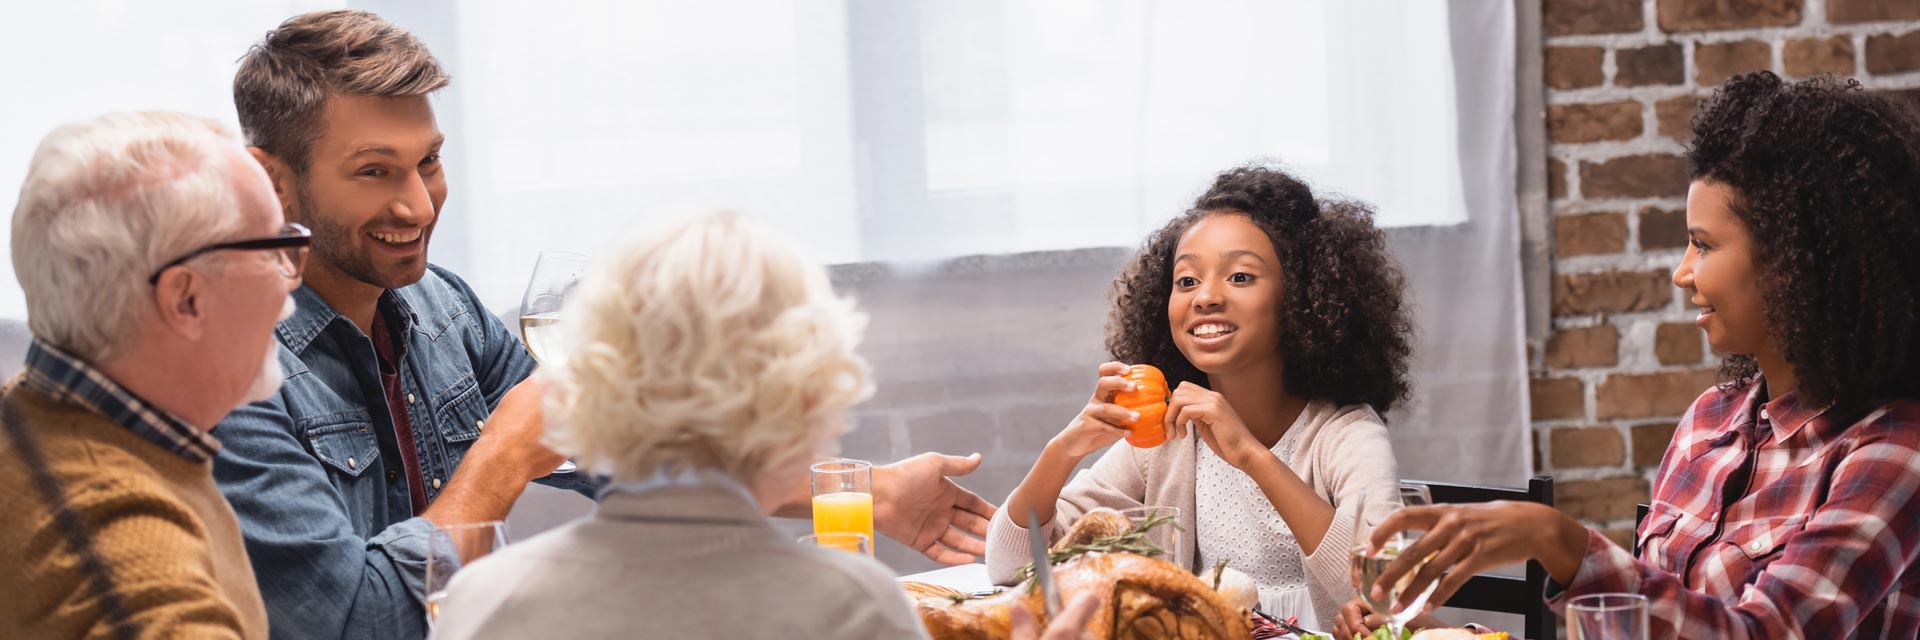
column 1217, row 424
column 1098, row 424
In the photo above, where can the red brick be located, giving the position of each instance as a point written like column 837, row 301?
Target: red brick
column 1650, row 443
column 1577, row 123
column 1710, row 15
column 1659, row 64
column 1575, row 17
column 1677, row 343
column 1588, row 447
column 1893, row 54
column 1556, row 398
column 1645, row 176
column 1675, row 116
column 1650, row 395
column 1584, row 347
column 1611, row 292
column 1575, row 67
column 1556, row 179
column 1590, row 234
column 1662, row 229
column 1603, row 499
column 1812, row 56
column 1848, row 11
column 1715, row 63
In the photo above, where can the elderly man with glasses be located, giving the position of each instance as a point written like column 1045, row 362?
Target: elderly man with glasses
column 155, row 262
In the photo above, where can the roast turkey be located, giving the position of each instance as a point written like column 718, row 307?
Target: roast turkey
column 1141, row 598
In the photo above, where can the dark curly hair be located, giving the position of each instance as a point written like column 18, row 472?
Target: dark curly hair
column 1345, row 332
column 1826, row 178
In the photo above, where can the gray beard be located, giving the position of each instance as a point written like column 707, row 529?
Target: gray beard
column 267, row 382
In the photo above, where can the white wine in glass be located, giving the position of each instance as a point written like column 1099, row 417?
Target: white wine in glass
column 555, row 275
column 541, row 333
column 1367, row 567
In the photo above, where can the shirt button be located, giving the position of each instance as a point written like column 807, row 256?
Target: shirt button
column 393, row 477
column 436, row 483
column 479, row 424
column 409, row 398
column 352, row 464
column 1763, row 414
column 1757, row 545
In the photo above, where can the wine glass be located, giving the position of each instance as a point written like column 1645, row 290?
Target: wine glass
column 554, row 276
column 1369, row 563
column 1165, row 533
column 453, row 546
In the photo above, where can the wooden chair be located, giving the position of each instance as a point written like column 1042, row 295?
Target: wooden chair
column 1503, row 594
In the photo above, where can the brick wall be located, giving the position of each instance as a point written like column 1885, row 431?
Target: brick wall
column 1624, row 359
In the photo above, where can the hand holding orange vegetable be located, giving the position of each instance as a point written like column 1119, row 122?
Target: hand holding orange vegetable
column 1099, row 424
column 1148, row 398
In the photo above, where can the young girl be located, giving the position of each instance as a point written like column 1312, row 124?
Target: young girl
column 1279, row 321
column 1785, row 506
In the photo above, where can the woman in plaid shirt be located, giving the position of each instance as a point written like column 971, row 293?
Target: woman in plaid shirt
column 1785, row 506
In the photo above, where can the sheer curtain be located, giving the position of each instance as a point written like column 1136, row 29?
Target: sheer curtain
column 907, row 132
column 66, row 61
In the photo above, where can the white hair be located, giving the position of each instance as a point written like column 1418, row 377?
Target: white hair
column 708, row 344
column 107, row 201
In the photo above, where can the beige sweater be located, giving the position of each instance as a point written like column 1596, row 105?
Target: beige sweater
column 1342, row 451
column 680, row 562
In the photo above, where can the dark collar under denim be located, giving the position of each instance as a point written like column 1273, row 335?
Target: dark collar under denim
column 69, row 380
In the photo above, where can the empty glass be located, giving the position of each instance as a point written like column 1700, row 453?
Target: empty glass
column 1607, row 616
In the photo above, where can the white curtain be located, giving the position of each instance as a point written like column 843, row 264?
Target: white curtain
column 65, row 61
column 884, row 131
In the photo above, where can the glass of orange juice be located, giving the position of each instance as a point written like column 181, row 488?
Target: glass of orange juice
column 843, row 498
column 843, row 541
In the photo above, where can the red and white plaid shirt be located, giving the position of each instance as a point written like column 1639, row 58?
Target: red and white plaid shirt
column 1813, row 532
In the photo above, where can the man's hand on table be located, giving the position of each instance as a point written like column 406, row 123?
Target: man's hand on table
column 916, row 502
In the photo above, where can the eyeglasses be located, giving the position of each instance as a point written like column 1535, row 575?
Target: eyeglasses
column 291, row 243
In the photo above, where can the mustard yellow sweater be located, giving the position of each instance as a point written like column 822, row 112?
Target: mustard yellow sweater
column 169, row 544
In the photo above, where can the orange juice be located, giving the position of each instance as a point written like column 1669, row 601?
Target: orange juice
column 844, row 512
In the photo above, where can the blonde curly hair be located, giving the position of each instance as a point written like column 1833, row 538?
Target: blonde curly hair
column 709, row 343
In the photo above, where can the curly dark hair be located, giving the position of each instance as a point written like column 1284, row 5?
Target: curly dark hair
column 1826, row 178
column 1345, row 331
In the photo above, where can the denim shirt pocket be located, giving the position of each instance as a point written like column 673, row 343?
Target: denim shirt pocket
column 343, row 441
column 461, row 412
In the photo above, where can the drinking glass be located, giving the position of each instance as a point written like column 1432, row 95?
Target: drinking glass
column 451, row 547
column 555, row 274
column 1607, row 616
column 1367, row 564
column 855, row 542
column 1165, row 534
column 843, row 498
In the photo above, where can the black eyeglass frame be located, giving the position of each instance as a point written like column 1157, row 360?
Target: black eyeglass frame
column 294, row 235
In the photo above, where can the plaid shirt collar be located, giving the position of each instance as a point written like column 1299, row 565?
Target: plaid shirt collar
column 1784, row 416
column 69, row 380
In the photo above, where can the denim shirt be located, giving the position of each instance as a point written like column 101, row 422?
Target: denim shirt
column 315, row 474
